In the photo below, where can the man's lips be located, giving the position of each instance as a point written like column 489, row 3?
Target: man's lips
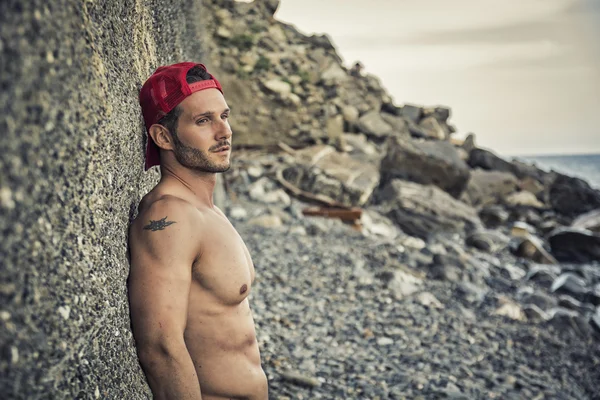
column 220, row 149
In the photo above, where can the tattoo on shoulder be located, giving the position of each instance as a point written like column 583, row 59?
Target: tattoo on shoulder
column 158, row 225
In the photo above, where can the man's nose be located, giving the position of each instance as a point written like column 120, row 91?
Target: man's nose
column 223, row 130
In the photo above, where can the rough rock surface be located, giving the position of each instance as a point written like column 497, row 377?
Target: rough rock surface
column 340, row 314
column 373, row 125
column 424, row 210
column 334, row 327
column 488, row 187
column 486, row 159
column 72, row 173
column 589, row 221
column 339, row 176
column 578, row 245
column 436, row 163
column 573, row 196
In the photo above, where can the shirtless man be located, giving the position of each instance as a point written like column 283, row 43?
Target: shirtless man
column 191, row 273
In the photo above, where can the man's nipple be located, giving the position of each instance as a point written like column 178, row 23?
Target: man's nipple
column 243, row 289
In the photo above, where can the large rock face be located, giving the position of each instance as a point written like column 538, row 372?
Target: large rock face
column 72, row 174
column 285, row 86
column 433, row 162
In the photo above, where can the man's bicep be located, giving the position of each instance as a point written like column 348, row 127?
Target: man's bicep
column 159, row 285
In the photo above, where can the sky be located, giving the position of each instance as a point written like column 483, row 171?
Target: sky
column 523, row 75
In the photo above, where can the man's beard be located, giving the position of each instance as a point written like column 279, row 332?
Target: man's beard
column 196, row 159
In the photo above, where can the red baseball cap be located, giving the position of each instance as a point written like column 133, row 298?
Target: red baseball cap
column 162, row 92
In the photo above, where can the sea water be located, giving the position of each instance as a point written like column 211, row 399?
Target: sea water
column 584, row 166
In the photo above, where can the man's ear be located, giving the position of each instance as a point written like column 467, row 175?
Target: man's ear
column 161, row 137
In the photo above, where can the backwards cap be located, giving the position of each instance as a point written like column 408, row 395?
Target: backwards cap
column 162, row 92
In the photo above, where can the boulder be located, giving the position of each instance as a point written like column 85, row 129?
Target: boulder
column 480, row 158
column 350, row 114
column 531, row 185
column 493, row 216
column 391, row 108
column 523, row 198
column 359, row 147
column 523, row 170
column 422, row 211
column 489, row 241
column 398, row 124
column 279, row 87
column 412, row 112
column 572, row 196
column 441, row 114
column 522, row 229
column 376, row 225
column 571, row 284
column 436, row 163
column 374, row 126
column 488, row 160
column 469, row 143
column 432, row 129
column 575, row 245
column 589, row 221
column 542, row 274
column 532, row 248
column 489, row 187
column 320, row 170
column 415, row 130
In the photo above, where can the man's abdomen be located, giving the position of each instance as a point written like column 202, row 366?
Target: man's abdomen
column 225, row 352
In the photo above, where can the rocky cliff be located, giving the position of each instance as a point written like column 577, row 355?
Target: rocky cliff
column 448, row 250
column 71, row 176
column 472, row 276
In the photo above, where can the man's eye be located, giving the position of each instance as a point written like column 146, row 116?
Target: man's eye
column 202, row 121
column 225, row 116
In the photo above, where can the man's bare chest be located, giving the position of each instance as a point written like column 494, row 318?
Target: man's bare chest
column 224, row 266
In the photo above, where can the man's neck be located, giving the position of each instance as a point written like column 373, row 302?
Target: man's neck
column 200, row 184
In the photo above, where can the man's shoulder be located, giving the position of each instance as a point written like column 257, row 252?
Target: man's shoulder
column 162, row 211
column 166, row 229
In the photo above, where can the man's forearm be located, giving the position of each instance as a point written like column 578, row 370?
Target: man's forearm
column 171, row 374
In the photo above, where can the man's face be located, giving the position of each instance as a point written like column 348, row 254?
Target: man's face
column 203, row 138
